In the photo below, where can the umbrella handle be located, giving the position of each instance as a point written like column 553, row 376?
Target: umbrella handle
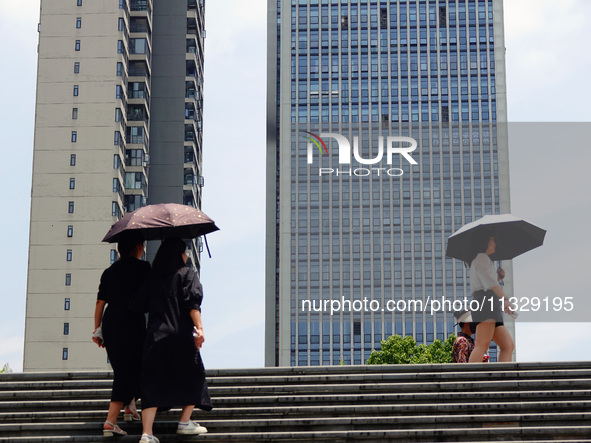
column 206, row 245
column 500, row 280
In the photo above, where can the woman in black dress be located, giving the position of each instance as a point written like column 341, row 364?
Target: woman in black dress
column 123, row 330
column 172, row 372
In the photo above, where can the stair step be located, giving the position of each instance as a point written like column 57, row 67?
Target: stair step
column 533, row 402
column 507, row 433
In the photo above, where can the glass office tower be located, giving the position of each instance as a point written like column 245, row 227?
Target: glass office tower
column 385, row 134
column 118, row 125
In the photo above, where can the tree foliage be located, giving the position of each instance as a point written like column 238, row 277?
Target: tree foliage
column 397, row 350
column 5, row 369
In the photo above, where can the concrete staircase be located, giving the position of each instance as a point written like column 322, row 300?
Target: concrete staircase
column 538, row 402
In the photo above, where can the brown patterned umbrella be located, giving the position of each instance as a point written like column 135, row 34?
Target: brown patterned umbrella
column 163, row 220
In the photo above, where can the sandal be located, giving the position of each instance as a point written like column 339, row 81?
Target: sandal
column 131, row 414
column 112, row 429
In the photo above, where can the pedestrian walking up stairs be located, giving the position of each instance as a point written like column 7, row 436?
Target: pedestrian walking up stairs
column 539, row 402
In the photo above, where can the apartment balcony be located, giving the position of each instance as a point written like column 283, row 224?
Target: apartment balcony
column 190, row 112
column 136, row 159
column 191, row 45
column 191, row 70
column 190, row 90
column 136, row 183
column 139, row 50
column 139, row 71
column 190, row 156
column 137, row 113
column 140, row 5
column 192, row 197
column 138, row 94
column 190, row 132
column 140, row 25
column 137, row 134
column 133, row 202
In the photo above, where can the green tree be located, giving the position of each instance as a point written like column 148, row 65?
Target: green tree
column 5, row 369
column 397, row 350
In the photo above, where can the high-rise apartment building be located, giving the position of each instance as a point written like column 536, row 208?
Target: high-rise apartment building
column 358, row 217
column 118, row 125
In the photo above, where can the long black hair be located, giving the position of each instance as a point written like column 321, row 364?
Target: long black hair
column 169, row 257
column 479, row 243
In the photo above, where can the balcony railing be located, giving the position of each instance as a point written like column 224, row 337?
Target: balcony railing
column 139, row 5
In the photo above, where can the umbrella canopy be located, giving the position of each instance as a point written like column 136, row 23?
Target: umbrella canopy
column 163, row 220
column 513, row 236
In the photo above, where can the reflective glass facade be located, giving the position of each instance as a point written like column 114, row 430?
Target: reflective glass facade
column 371, row 233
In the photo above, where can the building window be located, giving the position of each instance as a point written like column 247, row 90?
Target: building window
column 78, row 22
column 117, row 138
column 119, row 69
column 118, row 115
column 68, row 281
column 76, row 90
column 69, row 255
column 115, row 212
column 120, row 47
column 76, row 67
column 116, row 185
column 113, row 256
column 70, row 207
column 116, row 161
column 66, row 328
column 121, row 25
column 134, row 157
column 74, row 113
column 77, row 45
column 67, row 304
column 118, row 92
column 70, row 231
column 121, row 4
column 79, row 2
column 134, row 180
column 72, row 183
column 74, row 137
column 65, row 354
column 73, row 160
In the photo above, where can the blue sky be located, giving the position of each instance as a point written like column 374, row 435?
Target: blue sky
column 548, row 65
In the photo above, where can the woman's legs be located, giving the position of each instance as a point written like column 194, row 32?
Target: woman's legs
column 114, row 410
column 503, row 340
column 186, row 413
column 484, row 335
column 148, row 416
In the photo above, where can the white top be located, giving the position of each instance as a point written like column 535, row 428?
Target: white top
column 483, row 275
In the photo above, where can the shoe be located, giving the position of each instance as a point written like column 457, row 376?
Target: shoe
column 131, row 414
column 191, row 427
column 111, row 429
column 149, row 439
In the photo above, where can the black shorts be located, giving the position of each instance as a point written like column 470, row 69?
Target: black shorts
column 489, row 308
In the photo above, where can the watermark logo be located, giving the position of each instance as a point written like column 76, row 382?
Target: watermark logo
column 387, row 146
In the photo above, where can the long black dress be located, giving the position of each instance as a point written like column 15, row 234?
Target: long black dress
column 124, row 330
column 172, row 371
